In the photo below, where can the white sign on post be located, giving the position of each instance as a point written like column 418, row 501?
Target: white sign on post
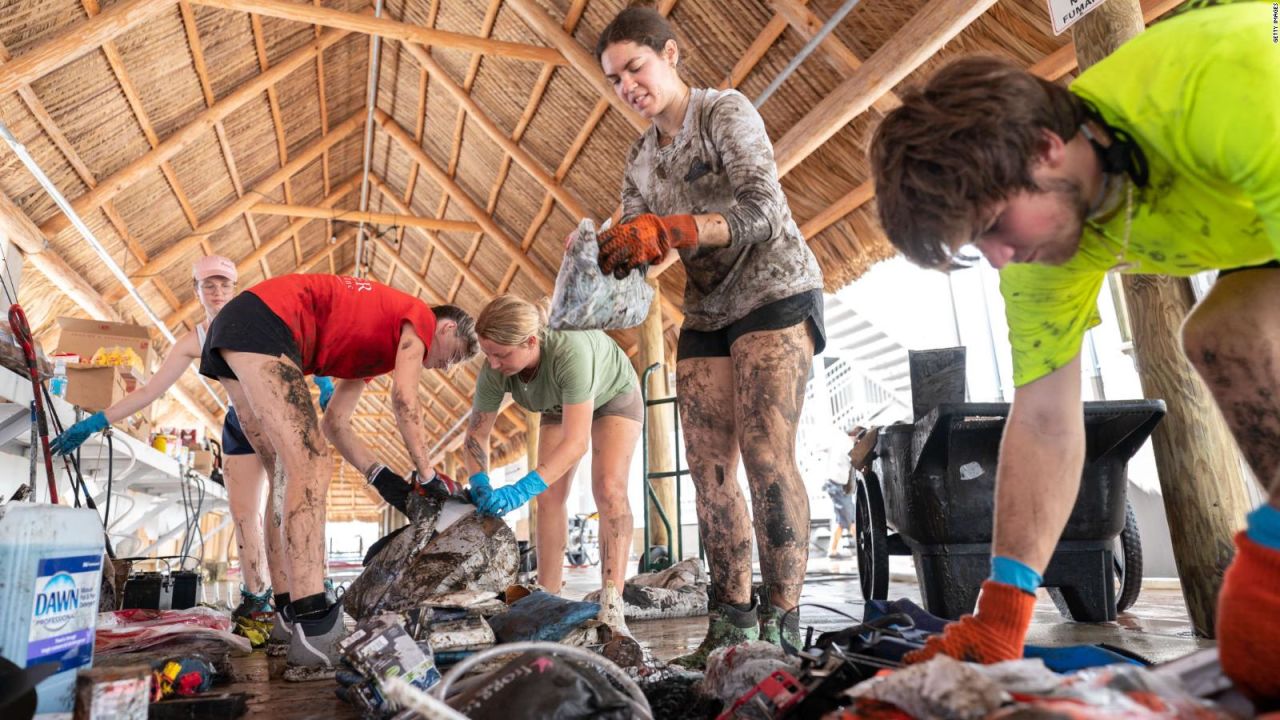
column 1065, row 13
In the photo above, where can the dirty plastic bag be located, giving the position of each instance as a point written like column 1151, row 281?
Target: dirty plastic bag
column 586, row 299
column 677, row 592
column 541, row 616
column 535, row 686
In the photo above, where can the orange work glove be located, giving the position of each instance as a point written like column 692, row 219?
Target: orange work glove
column 996, row 632
column 1248, row 634
column 644, row 240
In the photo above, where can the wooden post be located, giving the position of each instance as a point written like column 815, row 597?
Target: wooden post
column 1200, row 473
column 532, row 434
column 661, row 453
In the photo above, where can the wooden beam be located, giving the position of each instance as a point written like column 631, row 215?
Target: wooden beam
column 519, row 154
column 229, row 213
column 195, row 130
column 370, row 217
column 386, row 28
column 915, row 42
column 80, row 39
column 807, row 24
column 579, row 57
column 540, row 276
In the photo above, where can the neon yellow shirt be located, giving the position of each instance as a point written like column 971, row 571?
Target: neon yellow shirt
column 1200, row 94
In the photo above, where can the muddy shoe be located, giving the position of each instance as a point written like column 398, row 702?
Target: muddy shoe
column 252, row 603
column 727, row 626
column 787, row 635
column 281, row 634
column 313, row 649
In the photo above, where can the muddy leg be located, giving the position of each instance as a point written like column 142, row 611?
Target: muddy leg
column 770, row 369
column 279, row 403
column 246, row 494
column 705, row 389
column 553, row 523
column 273, row 520
column 613, row 443
column 1233, row 339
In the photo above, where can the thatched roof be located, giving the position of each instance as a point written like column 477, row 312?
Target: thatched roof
column 183, row 128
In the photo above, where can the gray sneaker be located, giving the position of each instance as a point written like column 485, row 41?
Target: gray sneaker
column 281, row 633
column 313, row 648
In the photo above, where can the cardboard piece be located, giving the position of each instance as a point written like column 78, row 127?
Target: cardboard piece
column 202, row 462
column 85, row 337
column 94, row 388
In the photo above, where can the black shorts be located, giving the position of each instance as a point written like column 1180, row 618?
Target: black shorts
column 246, row 324
column 234, row 441
column 1273, row 265
column 805, row 307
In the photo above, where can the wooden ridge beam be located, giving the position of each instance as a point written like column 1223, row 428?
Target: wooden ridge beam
column 383, row 27
column 241, row 205
column 541, row 277
column 376, row 218
column 180, row 139
column 80, row 39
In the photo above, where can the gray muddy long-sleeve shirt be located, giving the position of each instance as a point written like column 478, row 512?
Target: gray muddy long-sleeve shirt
column 721, row 161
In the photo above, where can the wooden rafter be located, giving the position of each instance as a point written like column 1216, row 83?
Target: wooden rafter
column 78, row 40
column 383, row 27
column 229, row 213
column 191, row 132
column 370, row 217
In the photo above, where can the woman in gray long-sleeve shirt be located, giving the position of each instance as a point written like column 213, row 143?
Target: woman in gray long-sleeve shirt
column 702, row 181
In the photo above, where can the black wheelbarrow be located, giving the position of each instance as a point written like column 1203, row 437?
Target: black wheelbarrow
column 929, row 491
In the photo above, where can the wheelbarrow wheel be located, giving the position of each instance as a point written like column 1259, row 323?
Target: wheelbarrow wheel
column 1127, row 558
column 872, row 538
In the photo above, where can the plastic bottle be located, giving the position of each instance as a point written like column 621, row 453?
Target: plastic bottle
column 51, row 559
column 58, row 383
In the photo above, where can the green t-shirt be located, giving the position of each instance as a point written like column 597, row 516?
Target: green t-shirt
column 1200, row 93
column 576, row 366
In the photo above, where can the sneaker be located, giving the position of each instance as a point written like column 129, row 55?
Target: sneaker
column 611, row 609
column 252, row 604
column 313, row 647
column 726, row 626
column 787, row 635
column 281, row 633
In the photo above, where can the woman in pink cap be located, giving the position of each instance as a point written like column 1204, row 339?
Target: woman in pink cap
column 214, row 281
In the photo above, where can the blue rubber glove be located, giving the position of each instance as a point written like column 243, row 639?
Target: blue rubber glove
column 479, row 488
column 74, row 436
column 508, row 498
column 326, row 390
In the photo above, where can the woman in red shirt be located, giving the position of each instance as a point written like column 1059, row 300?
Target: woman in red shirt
column 262, row 346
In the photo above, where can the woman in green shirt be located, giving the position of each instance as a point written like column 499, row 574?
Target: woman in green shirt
column 588, row 393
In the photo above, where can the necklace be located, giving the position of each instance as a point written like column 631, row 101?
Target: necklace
column 1121, row 264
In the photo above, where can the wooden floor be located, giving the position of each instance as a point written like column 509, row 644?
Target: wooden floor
column 1156, row 628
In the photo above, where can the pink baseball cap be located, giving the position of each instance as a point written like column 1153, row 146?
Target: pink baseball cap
column 214, row 266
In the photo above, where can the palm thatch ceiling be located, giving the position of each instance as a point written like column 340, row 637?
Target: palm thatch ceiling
column 179, row 128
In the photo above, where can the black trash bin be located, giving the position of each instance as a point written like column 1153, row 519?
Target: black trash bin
column 938, row 478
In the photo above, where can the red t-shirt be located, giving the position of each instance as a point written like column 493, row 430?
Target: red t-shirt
column 345, row 327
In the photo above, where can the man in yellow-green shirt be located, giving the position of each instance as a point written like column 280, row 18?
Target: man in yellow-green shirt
column 1163, row 158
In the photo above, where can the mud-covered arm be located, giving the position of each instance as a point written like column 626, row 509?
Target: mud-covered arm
column 336, row 425
column 760, row 207
column 404, row 398
column 475, row 457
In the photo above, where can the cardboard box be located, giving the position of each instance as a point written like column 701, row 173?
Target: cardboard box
column 136, row 427
column 94, row 388
column 202, row 461
column 85, row 337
